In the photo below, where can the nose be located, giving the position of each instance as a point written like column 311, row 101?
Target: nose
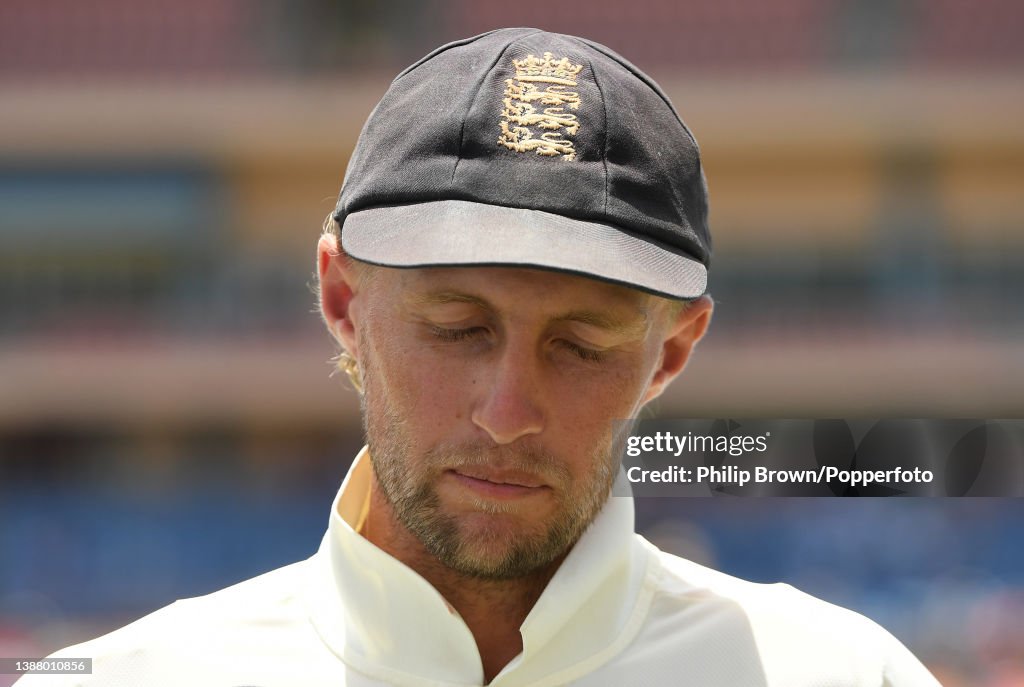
column 509, row 406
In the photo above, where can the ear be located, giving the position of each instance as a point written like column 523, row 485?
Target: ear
column 338, row 290
column 680, row 337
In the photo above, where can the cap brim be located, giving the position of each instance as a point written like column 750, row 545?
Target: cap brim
column 461, row 233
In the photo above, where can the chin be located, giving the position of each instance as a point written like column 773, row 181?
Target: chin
column 501, row 547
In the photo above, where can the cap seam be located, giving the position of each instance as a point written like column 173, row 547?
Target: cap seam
column 604, row 146
column 639, row 74
column 679, row 196
column 479, row 87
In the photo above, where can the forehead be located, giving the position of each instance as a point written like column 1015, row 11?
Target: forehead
column 515, row 288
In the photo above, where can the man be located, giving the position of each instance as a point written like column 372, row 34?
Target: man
column 517, row 260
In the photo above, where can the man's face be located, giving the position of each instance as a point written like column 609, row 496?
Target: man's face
column 490, row 396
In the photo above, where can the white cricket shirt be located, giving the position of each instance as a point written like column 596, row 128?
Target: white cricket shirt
column 618, row 612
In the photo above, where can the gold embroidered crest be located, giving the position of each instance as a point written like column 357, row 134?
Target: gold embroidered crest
column 524, row 96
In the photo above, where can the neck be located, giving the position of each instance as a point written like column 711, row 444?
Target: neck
column 493, row 610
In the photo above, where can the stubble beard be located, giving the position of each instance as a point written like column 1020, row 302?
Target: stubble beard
column 493, row 542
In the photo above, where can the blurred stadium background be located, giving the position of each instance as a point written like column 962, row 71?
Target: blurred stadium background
column 168, row 425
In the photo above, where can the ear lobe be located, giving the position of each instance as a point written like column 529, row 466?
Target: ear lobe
column 683, row 334
column 337, row 291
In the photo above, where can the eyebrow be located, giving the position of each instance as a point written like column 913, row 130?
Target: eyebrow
column 601, row 320
column 444, row 297
column 611, row 323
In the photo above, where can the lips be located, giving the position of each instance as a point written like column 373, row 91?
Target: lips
column 512, row 478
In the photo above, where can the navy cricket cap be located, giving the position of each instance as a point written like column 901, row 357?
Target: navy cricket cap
column 520, row 147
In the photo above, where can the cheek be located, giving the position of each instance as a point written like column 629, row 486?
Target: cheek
column 613, row 388
column 429, row 394
column 584, row 408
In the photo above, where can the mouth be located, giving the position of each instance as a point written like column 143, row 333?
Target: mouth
column 498, row 483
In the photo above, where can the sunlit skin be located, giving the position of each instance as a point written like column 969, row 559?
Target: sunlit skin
column 490, row 396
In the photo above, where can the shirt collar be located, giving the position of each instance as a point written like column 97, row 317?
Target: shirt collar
column 385, row 620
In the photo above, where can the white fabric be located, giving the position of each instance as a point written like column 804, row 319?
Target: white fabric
column 618, row 612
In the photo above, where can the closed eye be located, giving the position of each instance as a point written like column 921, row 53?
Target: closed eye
column 446, row 334
column 463, row 334
column 582, row 352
